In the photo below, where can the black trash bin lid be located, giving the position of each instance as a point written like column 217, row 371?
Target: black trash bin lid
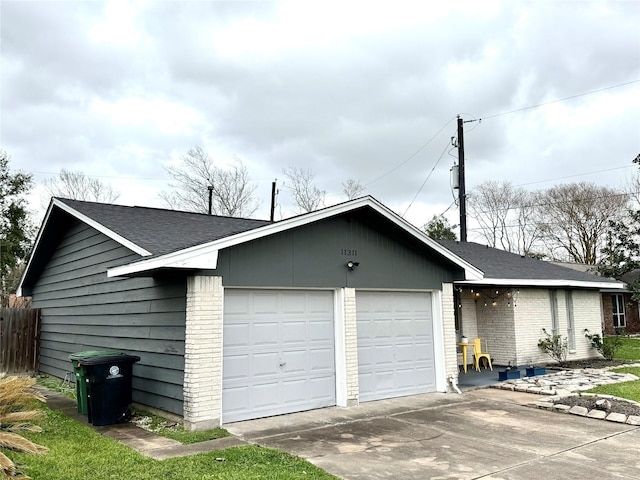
column 124, row 357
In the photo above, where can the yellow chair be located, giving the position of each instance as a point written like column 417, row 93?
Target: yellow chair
column 479, row 355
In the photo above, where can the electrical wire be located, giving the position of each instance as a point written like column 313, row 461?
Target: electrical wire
column 559, row 100
column 412, row 155
column 425, row 180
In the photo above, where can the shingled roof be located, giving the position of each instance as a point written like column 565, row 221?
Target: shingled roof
column 160, row 231
column 500, row 267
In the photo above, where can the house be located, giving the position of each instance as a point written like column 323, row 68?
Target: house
column 620, row 310
column 236, row 319
column 520, row 296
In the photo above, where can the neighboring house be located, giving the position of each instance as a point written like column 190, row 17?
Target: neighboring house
column 620, row 310
column 520, row 296
column 237, row 319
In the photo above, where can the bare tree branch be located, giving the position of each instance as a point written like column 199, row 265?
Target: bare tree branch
column 232, row 193
column 352, row 188
column 306, row 195
column 77, row 186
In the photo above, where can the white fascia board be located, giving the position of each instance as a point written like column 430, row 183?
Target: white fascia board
column 191, row 255
column 35, row 248
column 101, row 228
column 505, row 282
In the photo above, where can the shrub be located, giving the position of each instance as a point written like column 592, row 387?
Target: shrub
column 606, row 346
column 555, row 346
column 16, row 395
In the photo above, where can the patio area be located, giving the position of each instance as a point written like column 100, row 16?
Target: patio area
column 474, row 379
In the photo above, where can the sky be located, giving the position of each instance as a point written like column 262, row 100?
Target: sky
column 365, row 90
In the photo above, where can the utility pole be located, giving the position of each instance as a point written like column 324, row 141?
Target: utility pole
column 462, row 195
column 273, row 200
column 210, row 188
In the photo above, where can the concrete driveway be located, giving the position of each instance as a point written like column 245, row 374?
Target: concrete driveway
column 483, row 433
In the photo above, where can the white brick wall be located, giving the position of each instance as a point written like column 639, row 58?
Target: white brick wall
column 449, row 331
column 203, row 353
column 533, row 313
column 351, row 346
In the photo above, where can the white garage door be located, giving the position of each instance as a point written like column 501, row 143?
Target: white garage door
column 278, row 352
column 395, row 344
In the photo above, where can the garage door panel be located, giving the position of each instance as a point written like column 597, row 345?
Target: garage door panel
column 395, row 344
column 286, row 361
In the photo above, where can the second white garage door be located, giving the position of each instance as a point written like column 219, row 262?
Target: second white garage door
column 395, row 344
column 278, row 352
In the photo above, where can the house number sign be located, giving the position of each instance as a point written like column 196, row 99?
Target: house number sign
column 352, row 252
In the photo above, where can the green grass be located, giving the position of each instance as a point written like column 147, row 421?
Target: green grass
column 77, row 452
column 630, row 349
column 146, row 420
column 173, row 430
column 628, row 390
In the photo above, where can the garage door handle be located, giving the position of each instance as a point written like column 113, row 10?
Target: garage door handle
column 282, row 364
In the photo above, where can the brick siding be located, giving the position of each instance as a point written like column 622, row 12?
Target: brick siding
column 203, row 353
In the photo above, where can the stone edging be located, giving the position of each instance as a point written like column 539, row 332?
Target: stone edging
column 548, row 404
column 544, row 385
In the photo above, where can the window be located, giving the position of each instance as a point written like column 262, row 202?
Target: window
column 570, row 322
column 553, row 297
column 617, row 306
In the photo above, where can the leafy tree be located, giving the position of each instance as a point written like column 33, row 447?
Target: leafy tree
column 16, row 230
column 439, row 228
column 306, row 195
column 77, row 186
column 231, row 189
column 621, row 252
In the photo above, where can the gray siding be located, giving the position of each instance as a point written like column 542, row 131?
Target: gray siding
column 82, row 309
column 316, row 255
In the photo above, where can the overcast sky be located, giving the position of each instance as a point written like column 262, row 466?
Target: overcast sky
column 120, row 90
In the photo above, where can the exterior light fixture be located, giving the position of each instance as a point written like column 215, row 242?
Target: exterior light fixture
column 351, row 264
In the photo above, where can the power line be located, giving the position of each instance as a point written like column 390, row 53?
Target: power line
column 412, row 155
column 425, row 180
column 575, row 175
column 560, row 100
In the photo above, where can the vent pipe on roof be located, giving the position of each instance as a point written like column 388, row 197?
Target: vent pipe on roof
column 210, row 188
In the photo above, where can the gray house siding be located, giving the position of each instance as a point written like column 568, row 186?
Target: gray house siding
column 82, row 309
column 315, row 255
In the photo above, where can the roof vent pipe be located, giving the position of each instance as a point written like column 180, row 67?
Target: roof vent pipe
column 210, row 188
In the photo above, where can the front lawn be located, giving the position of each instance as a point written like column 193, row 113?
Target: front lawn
column 77, row 452
column 630, row 349
column 628, row 390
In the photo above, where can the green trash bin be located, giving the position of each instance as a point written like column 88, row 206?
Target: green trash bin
column 81, row 377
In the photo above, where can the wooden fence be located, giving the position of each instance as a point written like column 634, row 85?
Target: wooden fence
column 19, row 340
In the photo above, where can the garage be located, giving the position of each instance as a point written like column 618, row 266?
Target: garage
column 395, row 344
column 278, row 352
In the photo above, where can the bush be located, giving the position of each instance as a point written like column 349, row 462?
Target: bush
column 606, row 346
column 16, row 395
column 555, row 346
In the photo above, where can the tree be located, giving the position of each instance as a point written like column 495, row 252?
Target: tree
column 439, row 228
column 16, row 230
column 352, row 188
column 77, row 186
column 621, row 252
column 231, row 189
column 306, row 195
column 505, row 215
column 574, row 219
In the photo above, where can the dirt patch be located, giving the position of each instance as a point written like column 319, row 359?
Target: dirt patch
column 591, row 363
column 615, row 405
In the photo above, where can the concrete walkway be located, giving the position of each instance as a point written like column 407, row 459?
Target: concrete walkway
column 484, row 433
